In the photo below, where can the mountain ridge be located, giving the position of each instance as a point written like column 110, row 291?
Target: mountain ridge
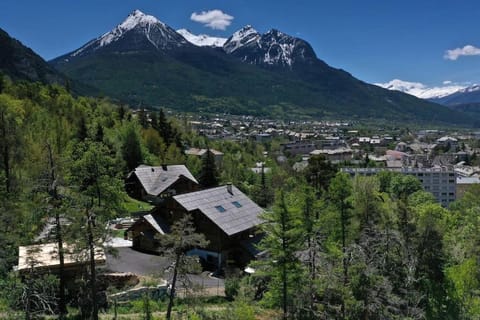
column 457, row 97
column 21, row 63
column 270, row 74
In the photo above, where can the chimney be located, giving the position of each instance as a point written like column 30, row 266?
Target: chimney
column 229, row 188
column 164, row 167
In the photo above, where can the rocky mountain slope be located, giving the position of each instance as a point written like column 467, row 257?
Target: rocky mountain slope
column 143, row 60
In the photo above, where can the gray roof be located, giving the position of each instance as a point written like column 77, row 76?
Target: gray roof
column 201, row 152
column 157, row 223
column 155, row 180
column 233, row 219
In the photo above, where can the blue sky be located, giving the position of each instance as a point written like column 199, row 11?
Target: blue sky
column 374, row 40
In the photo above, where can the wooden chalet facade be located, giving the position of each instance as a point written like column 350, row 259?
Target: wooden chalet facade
column 145, row 232
column 225, row 215
column 155, row 184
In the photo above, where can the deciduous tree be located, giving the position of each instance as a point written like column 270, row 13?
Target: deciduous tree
column 181, row 239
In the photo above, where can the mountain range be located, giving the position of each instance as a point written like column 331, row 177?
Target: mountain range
column 143, row 61
column 452, row 95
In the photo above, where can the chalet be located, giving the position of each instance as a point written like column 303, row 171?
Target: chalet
column 225, row 215
column 145, row 232
column 202, row 153
column 44, row 258
column 448, row 142
column 155, row 184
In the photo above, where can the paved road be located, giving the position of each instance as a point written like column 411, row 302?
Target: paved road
column 129, row 260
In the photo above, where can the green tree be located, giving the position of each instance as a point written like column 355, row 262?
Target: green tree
column 173, row 155
column 319, row 173
column 99, row 134
column 462, row 243
column 283, row 239
column 402, row 186
column 262, row 191
column 314, row 249
column 181, row 239
column 131, row 148
column 165, row 129
column 154, row 143
column 339, row 194
column 208, row 176
column 92, row 173
column 11, row 118
column 82, row 130
column 143, row 118
column 55, row 206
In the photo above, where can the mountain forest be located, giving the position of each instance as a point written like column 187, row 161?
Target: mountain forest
column 336, row 247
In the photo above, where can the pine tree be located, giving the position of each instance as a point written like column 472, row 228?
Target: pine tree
column 282, row 241
column 209, row 175
column 263, row 193
column 82, row 131
column 2, row 82
column 143, row 118
column 11, row 117
column 319, row 173
column 99, row 133
column 164, row 128
column 131, row 149
column 339, row 193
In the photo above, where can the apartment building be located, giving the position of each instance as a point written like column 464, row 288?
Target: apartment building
column 439, row 181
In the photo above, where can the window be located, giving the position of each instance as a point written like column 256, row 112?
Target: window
column 220, row 208
column 237, row 204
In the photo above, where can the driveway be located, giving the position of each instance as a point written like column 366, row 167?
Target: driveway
column 144, row 264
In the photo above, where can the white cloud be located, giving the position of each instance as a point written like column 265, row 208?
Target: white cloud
column 447, row 82
column 215, row 19
column 468, row 50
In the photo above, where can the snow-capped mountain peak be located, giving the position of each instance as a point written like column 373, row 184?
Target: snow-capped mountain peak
column 472, row 88
column 244, row 33
column 202, row 40
column 420, row 90
column 139, row 31
column 241, row 38
column 136, row 18
column 271, row 49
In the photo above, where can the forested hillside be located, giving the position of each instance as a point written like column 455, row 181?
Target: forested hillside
column 336, row 247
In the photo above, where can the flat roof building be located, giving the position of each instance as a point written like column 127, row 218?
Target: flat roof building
column 439, row 181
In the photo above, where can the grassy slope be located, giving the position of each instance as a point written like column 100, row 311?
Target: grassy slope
column 208, row 80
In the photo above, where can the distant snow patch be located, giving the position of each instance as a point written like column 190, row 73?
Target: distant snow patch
column 420, row 90
column 202, row 40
